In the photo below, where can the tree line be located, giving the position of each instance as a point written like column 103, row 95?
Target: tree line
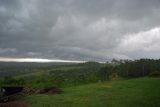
column 88, row 72
column 131, row 69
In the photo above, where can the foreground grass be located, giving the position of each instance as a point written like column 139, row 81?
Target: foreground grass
column 142, row 92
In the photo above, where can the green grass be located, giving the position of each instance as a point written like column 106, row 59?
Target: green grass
column 141, row 92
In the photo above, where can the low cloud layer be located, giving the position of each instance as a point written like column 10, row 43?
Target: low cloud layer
column 80, row 29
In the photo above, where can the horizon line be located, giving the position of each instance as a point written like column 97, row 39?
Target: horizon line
column 38, row 60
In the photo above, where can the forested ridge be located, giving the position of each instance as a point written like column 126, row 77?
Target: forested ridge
column 76, row 74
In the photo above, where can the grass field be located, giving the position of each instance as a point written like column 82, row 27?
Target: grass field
column 141, row 92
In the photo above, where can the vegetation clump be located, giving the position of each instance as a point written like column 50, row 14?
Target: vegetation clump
column 154, row 74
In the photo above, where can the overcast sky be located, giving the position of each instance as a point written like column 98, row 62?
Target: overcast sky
column 80, row 29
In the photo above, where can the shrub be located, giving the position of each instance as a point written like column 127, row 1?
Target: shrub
column 9, row 81
column 113, row 76
column 154, row 74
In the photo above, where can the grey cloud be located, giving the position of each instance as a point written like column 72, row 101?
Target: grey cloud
column 5, row 50
column 76, row 29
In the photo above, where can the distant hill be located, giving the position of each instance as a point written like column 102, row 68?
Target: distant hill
column 32, row 64
column 18, row 68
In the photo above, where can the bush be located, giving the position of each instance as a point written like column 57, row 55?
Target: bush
column 9, row 81
column 154, row 74
column 114, row 76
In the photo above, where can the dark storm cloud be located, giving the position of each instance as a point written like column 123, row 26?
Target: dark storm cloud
column 79, row 29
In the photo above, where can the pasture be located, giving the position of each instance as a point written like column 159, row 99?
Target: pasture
column 141, row 92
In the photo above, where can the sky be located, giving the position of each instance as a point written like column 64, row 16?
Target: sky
column 79, row 30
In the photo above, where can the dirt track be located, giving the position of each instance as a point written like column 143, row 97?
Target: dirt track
column 14, row 104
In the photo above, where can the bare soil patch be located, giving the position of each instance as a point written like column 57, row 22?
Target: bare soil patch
column 14, row 104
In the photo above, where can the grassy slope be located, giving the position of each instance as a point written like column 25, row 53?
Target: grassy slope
column 142, row 92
